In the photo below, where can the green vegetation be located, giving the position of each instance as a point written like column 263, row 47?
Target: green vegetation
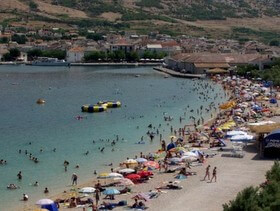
column 269, row 74
column 118, row 56
column 245, row 33
column 12, row 55
column 33, row 6
column 274, row 43
column 20, row 39
column 94, row 36
column 4, row 40
column 33, row 54
column 261, row 198
column 149, row 3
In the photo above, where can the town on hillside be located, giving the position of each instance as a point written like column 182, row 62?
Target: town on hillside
column 182, row 53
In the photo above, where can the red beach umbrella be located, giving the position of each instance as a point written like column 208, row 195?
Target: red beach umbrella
column 144, row 174
column 152, row 164
column 133, row 177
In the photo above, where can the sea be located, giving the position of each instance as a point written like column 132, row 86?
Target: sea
column 147, row 96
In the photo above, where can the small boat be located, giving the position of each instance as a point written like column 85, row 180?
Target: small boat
column 46, row 61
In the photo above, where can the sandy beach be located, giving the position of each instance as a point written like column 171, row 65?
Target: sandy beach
column 234, row 174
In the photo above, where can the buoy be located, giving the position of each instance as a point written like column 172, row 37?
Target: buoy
column 41, row 101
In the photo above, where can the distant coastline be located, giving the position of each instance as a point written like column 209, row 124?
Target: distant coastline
column 95, row 64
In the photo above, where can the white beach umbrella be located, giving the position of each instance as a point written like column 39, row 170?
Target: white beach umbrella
column 242, row 138
column 87, row 190
column 190, row 154
column 127, row 170
column 141, row 160
column 44, row 202
column 188, row 158
column 115, row 175
column 175, row 160
column 236, row 132
column 130, row 161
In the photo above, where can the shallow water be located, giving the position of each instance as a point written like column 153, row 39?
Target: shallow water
column 53, row 125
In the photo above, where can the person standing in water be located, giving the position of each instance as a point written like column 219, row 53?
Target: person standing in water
column 19, row 175
column 74, row 179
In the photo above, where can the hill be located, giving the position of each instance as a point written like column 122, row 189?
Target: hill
column 239, row 19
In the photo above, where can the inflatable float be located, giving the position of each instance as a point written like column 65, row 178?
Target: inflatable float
column 110, row 104
column 93, row 108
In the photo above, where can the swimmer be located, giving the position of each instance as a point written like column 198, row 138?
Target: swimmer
column 36, row 184
column 46, row 190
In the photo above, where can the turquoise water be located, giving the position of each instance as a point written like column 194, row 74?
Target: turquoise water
column 53, row 125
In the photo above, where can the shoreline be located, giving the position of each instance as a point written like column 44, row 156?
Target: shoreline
column 178, row 74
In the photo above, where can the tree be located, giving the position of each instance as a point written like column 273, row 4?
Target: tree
column 132, row 56
column 60, row 54
column 20, row 39
column 4, row 40
column 14, row 53
column 94, row 36
column 34, row 53
column 274, row 43
column 33, row 6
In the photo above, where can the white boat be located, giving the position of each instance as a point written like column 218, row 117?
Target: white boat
column 46, row 61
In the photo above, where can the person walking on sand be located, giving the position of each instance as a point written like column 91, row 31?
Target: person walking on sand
column 74, row 179
column 97, row 196
column 214, row 174
column 207, row 173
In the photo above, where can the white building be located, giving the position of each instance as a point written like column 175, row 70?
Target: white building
column 75, row 54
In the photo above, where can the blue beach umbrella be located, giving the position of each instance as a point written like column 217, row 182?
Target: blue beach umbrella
column 273, row 101
column 111, row 191
column 180, row 176
column 47, row 204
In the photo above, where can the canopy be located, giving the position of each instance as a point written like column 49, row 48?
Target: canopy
column 236, row 132
column 50, row 207
column 152, row 164
column 171, row 146
column 125, row 182
column 264, row 128
column 111, row 191
column 241, row 138
column 133, row 177
column 114, row 175
column 126, row 170
column 141, row 160
column 130, row 161
column 272, row 140
column 44, row 202
column 273, row 101
column 87, row 190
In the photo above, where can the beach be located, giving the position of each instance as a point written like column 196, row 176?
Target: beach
column 234, row 172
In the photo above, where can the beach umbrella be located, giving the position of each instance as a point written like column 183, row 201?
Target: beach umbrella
column 44, row 202
column 111, row 191
column 180, row 176
column 189, row 158
column 236, row 132
column 115, row 175
column 141, row 160
column 144, row 174
column 242, row 138
column 87, row 190
column 175, row 160
column 133, row 177
column 273, row 101
column 103, row 176
column 152, row 164
column 125, row 182
column 190, row 154
column 130, row 161
column 126, row 170
column 172, row 137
